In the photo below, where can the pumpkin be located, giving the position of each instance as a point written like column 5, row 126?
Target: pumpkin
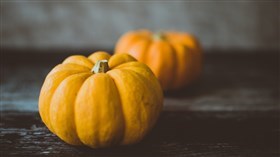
column 174, row 57
column 100, row 101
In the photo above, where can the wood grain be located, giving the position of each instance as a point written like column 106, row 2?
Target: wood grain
column 217, row 134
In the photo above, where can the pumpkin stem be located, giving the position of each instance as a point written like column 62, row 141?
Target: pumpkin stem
column 100, row 66
column 159, row 36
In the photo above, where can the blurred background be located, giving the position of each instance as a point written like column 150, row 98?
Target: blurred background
column 248, row 25
column 37, row 35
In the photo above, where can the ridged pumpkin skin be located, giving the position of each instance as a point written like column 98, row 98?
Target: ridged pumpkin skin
column 174, row 57
column 118, row 107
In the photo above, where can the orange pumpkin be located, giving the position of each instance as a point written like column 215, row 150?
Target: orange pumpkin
column 174, row 57
column 101, row 100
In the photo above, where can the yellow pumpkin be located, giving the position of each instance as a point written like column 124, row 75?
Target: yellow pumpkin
column 174, row 57
column 101, row 100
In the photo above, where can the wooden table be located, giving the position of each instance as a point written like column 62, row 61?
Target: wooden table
column 233, row 110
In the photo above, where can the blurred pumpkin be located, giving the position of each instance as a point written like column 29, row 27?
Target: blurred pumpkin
column 174, row 57
column 101, row 100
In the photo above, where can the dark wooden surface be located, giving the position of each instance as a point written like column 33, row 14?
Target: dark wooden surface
column 213, row 134
column 233, row 110
column 231, row 81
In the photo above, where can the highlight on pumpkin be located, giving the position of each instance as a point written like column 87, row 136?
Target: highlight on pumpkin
column 100, row 100
column 174, row 57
